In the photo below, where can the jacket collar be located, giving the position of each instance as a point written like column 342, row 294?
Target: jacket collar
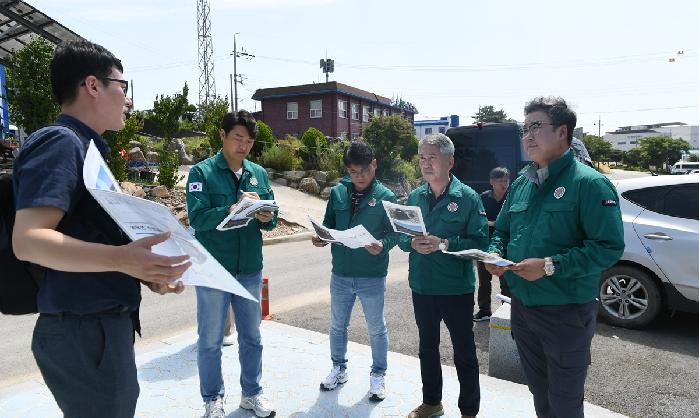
column 553, row 169
column 453, row 189
column 223, row 164
column 85, row 132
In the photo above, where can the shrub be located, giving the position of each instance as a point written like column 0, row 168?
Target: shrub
column 331, row 161
column 119, row 141
column 169, row 164
column 280, row 158
column 264, row 140
column 314, row 144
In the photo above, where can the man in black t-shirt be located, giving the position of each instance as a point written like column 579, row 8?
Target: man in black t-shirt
column 88, row 303
column 492, row 200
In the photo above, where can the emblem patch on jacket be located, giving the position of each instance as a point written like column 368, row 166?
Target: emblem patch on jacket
column 253, row 181
column 372, row 202
column 609, row 202
column 452, row 207
column 559, row 192
column 195, row 187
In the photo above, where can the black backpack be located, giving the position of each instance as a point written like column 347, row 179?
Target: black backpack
column 19, row 280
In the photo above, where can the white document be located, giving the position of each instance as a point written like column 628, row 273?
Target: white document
column 482, row 256
column 245, row 212
column 140, row 218
column 356, row 237
column 405, row 219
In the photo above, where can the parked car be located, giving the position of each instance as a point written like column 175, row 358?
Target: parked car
column 659, row 267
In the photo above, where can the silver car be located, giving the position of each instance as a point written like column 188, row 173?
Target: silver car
column 659, row 268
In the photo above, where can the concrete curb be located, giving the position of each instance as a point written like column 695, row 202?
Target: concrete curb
column 301, row 236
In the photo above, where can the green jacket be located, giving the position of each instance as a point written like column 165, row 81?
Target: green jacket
column 210, row 192
column 460, row 218
column 573, row 217
column 369, row 213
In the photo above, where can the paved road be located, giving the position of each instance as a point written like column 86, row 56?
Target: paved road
column 639, row 373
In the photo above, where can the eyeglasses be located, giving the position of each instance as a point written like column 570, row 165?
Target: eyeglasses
column 124, row 83
column 533, row 128
column 362, row 172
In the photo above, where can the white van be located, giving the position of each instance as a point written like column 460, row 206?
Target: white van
column 684, row 167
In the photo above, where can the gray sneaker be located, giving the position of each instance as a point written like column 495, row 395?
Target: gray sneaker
column 258, row 404
column 336, row 377
column 214, row 408
column 377, row 387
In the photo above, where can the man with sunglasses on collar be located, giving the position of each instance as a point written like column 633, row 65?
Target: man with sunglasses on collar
column 83, row 340
column 562, row 226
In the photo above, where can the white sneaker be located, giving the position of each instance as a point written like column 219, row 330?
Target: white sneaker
column 377, row 388
column 229, row 340
column 258, row 404
column 336, row 377
column 214, row 409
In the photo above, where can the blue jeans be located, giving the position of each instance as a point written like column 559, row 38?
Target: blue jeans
column 370, row 290
column 212, row 305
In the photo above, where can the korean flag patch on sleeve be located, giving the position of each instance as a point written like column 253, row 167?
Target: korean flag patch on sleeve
column 195, row 187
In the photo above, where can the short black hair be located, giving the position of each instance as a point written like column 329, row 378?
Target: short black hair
column 499, row 173
column 558, row 111
column 358, row 153
column 243, row 118
column 73, row 61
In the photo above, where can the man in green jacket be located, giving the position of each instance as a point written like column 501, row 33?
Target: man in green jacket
column 561, row 224
column 214, row 187
column 443, row 285
column 361, row 272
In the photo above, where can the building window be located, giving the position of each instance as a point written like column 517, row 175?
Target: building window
column 441, row 129
column 417, row 131
column 377, row 112
column 621, row 143
column 633, row 142
column 355, row 111
column 343, row 135
column 354, row 136
column 342, row 108
column 365, row 113
column 315, row 112
column 292, row 110
column 385, row 112
column 428, row 131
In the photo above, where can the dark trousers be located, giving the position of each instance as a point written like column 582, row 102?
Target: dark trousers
column 456, row 312
column 88, row 363
column 554, row 343
column 483, row 295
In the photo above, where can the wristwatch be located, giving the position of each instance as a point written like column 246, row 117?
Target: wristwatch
column 548, row 266
column 443, row 244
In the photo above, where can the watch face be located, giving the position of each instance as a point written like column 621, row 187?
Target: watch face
column 442, row 246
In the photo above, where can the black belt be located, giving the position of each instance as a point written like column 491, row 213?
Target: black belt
column 117, row 310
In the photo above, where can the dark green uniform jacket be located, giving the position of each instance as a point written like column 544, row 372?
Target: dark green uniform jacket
column 458, row 217
column 573, row 217
column 211, row 190
column 368, row 213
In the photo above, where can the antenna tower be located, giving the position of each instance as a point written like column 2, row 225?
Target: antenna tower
column 207, row 86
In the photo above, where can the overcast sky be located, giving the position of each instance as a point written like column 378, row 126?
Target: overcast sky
column 607, row 58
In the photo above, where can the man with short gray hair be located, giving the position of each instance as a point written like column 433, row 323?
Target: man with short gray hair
column 442, row 285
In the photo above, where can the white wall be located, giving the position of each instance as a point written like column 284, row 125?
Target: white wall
column 625, row 141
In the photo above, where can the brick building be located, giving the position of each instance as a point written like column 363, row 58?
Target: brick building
column 336, row 109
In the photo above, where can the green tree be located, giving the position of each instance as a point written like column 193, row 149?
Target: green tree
column 29, row 88
column 693, row 158
column 660, row 150
column 598, row 148
column 404, row 105
column 208, row 120
column 389, row 136
column 167, row 111
column 314, row 144
column 264, row 140
column 487, row 114
column 119, row 141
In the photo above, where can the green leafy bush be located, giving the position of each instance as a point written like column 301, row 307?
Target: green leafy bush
column 314, row 144
column 169, row 164
column 331, row 161
column 280, row 158
column 119, row 141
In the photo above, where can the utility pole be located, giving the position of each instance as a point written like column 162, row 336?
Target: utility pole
column 599, row 125
column 237, row 78
column 231, row 96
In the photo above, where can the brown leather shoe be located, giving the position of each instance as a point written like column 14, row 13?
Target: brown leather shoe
column 427, row 411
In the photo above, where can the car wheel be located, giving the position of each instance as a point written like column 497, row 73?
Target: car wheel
column 628, row 297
